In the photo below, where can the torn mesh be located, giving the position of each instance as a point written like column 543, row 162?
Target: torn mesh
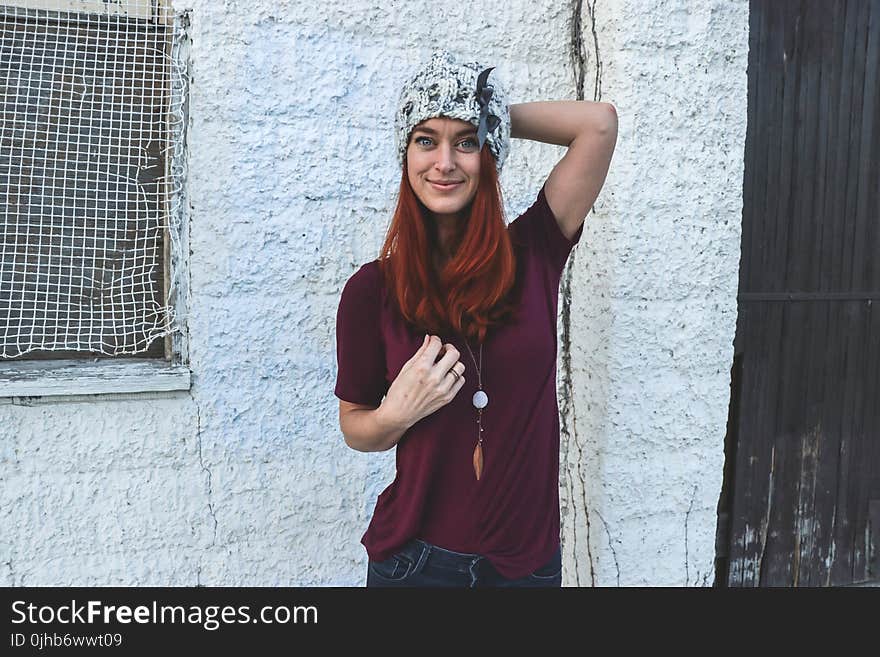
column 91, row 169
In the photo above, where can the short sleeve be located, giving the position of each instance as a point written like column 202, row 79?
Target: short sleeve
column 360, row 353
column 538, row 229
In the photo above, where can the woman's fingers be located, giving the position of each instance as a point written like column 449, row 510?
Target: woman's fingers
column 420, row 354
column 449, row 359
column 448, row 356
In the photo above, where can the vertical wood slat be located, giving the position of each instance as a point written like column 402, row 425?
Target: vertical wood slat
column 825, row 55
column 828, row 88
column 860, row 432
column 750, row 179
column 795, row 442
column 852, row 445
column 872, row 392
column 774, row 203
column 804, row 438
column 868, row 154
column 850, row 217
column 829, row 56
column 773, row 468
column 827, row 51
column 772, row 413
column 805, row 68
column 754, row 500
column 818, row 388
column 852, row 339
column 737, row 495
column 759, row 155
column 872, row 457
column 864, row 224
column 873, row 235
column 842, row 144
column 829, row 269
column 847, row 141
column 755, row 186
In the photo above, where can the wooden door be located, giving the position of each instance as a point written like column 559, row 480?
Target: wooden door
column 801, row 498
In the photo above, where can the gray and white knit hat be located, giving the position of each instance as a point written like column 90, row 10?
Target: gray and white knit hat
column 445, row 86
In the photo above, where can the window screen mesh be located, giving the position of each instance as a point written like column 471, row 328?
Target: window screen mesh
column 91, row 124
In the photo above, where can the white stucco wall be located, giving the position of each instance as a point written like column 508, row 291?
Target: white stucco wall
column 653, row 308
column 246, row 479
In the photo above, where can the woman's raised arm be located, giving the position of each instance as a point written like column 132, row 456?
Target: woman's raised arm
column 589, row 130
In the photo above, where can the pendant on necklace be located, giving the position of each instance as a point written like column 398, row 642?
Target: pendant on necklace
column 481, row 399
column 478, row 459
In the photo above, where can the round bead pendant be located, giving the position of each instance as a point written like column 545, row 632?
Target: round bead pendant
column 481, row 399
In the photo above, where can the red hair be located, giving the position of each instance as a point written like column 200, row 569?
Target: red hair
column 474, row 288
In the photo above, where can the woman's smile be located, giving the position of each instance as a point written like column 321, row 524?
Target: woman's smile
column 444, row 187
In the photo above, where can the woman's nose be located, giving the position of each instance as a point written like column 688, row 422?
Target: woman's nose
column 445, row 160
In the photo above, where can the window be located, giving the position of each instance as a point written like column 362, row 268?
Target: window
column 92, row 125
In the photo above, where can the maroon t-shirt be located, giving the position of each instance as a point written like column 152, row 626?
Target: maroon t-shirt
column 511, row 515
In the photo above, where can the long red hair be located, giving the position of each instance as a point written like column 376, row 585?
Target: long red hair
column 473, row 291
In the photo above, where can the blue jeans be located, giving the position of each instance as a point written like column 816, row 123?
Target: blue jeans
column 421, row 564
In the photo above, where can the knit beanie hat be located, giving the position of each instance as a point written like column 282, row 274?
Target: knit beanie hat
column 445, row 86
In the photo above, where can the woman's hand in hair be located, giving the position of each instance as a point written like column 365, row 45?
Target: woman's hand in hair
column 423, row 386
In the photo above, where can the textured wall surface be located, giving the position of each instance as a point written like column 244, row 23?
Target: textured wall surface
column 246, row 479
column 653, row 294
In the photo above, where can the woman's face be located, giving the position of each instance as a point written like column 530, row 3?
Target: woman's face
column 443, row 150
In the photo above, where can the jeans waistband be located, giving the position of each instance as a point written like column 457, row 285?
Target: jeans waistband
column 438, row 557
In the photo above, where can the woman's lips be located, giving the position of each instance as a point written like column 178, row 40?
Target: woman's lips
column 444, row 188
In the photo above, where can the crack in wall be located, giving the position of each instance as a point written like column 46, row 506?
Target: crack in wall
column 687, row 577
column 571, row 436
column 205, row 468
column 579, row 50
column 26, row 400
column 597, row 85
column 190, row 78
column 611, row 545
column 567, row 408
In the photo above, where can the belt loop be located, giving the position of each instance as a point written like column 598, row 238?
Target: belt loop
column 472, row 570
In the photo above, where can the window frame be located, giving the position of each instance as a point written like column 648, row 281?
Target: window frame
column 22, row 378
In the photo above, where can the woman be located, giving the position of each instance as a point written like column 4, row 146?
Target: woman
column 455, row 325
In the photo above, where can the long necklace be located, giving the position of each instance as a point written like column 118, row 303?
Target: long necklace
column 480, row 400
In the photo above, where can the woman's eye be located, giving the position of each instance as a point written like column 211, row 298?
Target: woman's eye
column 465, row 143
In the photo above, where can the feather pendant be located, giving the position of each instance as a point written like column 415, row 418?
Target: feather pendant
column 478, row 460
